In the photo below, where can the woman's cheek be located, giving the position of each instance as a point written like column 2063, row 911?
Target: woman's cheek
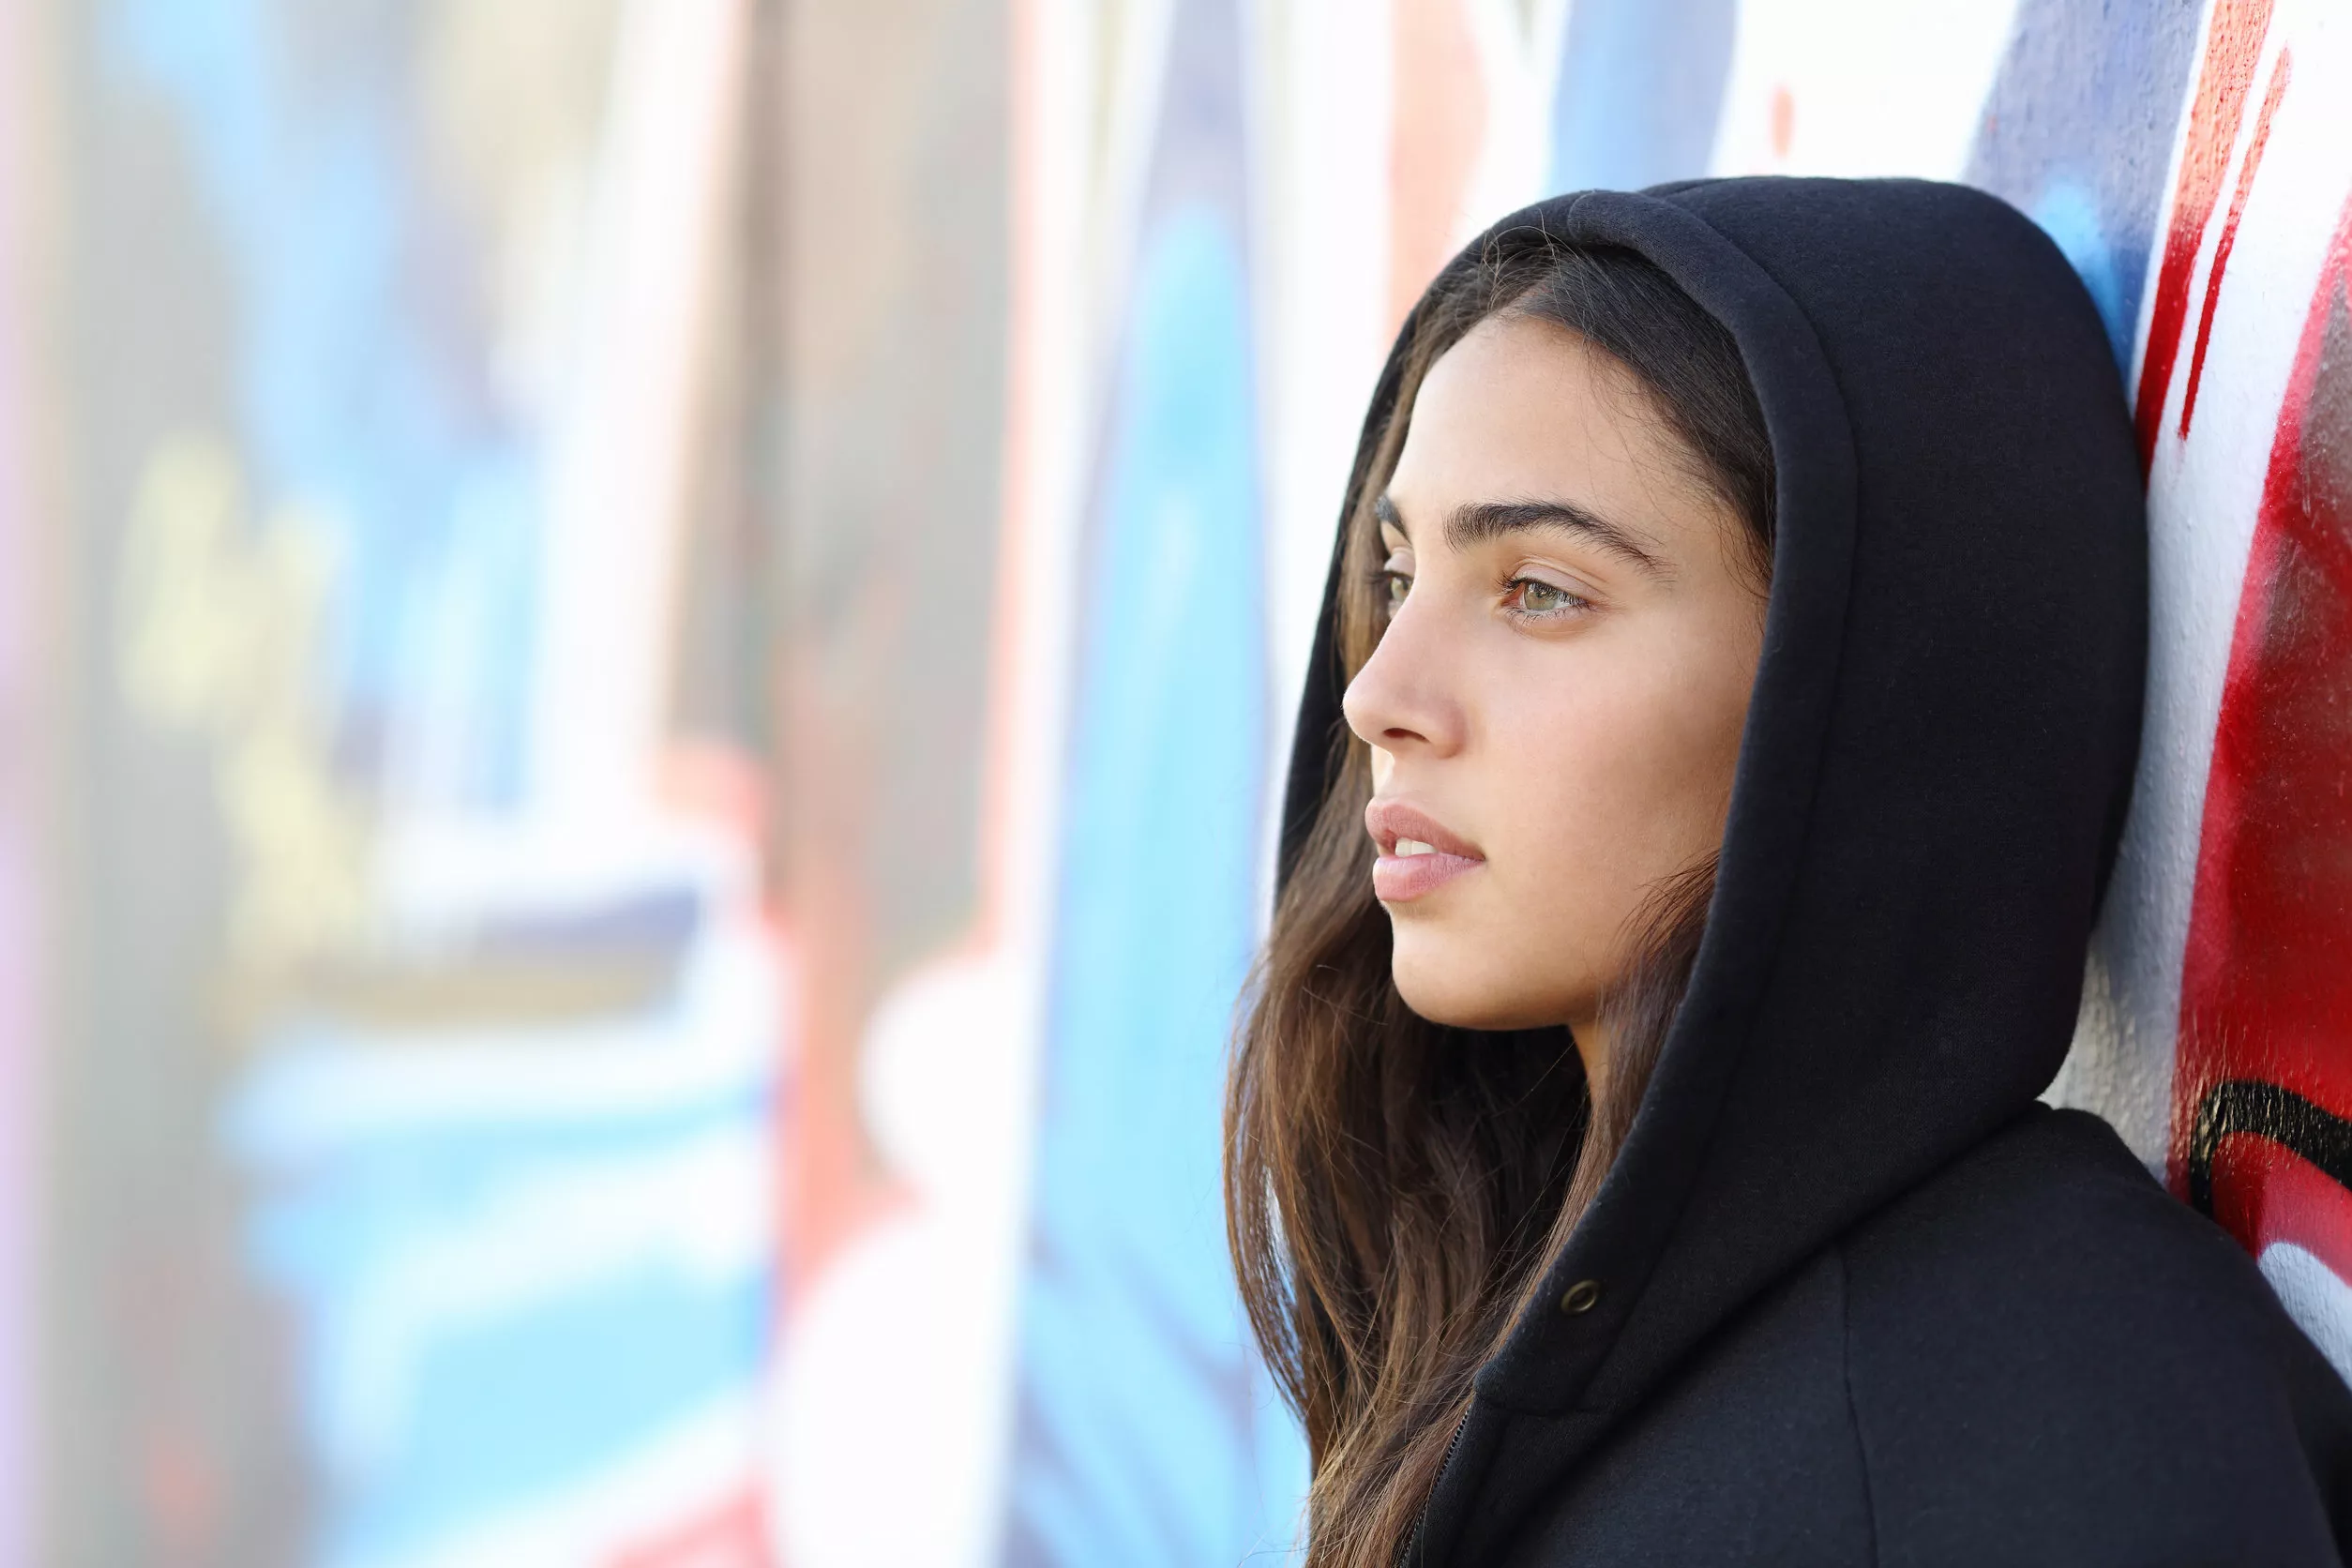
column 1557, row 869
column 1611, row 804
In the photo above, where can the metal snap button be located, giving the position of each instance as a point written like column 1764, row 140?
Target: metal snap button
column 1580, row 1297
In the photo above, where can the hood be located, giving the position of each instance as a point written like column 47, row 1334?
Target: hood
column 1933, row 776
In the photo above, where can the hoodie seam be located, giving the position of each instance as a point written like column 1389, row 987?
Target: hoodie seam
column 1853, row 1411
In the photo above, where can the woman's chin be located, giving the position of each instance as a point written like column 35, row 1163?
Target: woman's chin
column 1458, row 990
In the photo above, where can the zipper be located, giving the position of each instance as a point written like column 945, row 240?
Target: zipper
column 1410, row 1557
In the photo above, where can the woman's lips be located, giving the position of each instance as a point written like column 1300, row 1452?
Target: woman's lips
column 1418, row 855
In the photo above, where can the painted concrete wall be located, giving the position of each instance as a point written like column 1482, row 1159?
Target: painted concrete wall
column 2153, row 144
column 669, row 626
column 412, row 1072
column 2215, row 1020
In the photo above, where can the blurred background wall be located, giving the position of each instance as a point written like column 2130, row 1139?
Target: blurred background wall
column 644, row 648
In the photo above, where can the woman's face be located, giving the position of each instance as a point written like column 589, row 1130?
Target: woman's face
column 1554, row 710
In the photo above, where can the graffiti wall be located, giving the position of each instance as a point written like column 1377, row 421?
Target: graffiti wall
column 416, row 1057
column 644, row 648
column 2219, row 1007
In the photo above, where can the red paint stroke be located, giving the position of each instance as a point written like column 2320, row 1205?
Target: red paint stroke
column 2266, row 988
column 1438, row 128
column 733, row 1535
column 2233, row 47
column 2228, row 242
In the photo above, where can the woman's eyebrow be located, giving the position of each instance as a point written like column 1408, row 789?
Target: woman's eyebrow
column 1476, row 523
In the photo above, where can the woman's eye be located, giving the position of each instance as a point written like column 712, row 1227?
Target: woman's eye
column 1394, row 580
column 1530, row 597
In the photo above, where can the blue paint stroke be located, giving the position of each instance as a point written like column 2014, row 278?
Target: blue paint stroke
column 2069, row 213
column 431, row 1413
column 525, row 1406
column 1147, row 1433
column 2077, row 132
column 1639, row 92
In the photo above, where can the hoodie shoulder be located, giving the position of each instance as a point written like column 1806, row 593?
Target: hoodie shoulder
column 2052, row 1360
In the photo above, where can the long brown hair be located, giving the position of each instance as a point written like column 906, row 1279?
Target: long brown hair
column 1392, row 1186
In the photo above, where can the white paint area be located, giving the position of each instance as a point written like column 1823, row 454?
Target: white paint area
column 1519, row 44
column 896, row 1369
column 2315, row 1298
column 1324, row 74
column 1324, row 87
column 1859, row 87
column 2204, row 494
column 621, row 458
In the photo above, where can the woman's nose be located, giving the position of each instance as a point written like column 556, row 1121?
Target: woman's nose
column 1401, row 699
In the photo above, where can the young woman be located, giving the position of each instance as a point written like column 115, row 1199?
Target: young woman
column 1716, row 743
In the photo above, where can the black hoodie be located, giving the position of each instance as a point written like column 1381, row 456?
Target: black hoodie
column 1850, row 1294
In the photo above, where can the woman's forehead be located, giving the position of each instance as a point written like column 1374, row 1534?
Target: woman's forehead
column 1521, row 412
